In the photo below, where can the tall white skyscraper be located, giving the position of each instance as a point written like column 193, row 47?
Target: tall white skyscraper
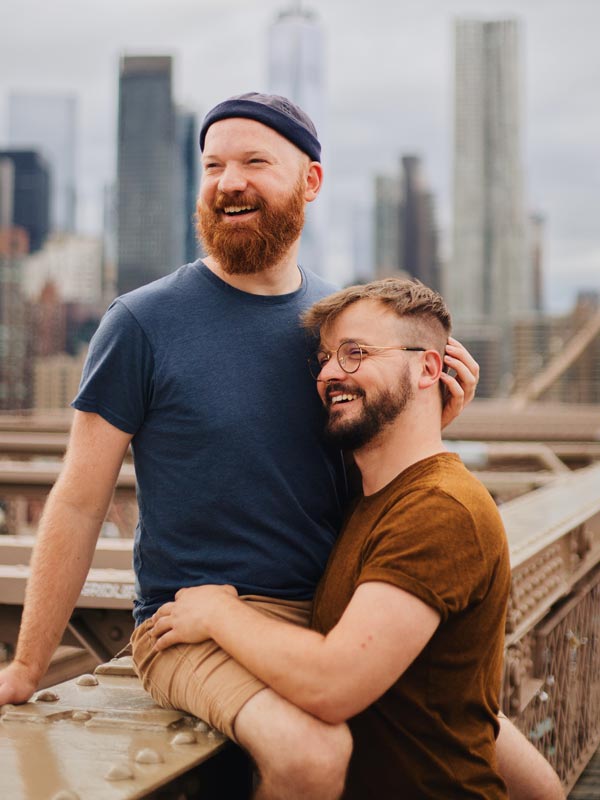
column 296, row 70
column 47, row 123
column 489, row 280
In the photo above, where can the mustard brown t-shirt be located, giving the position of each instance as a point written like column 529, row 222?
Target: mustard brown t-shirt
column 435, row 532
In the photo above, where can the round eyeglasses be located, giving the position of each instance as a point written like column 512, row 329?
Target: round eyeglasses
column 350, row 356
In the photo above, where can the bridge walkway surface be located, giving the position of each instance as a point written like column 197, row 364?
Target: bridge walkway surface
column 588, row 785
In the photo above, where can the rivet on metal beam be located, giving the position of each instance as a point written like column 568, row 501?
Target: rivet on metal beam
column 149, row 756
column 46, row 696
column 119, row 772
column 87, row 680
column 184, row 737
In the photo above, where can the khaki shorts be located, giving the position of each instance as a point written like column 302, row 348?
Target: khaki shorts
column 201, row 678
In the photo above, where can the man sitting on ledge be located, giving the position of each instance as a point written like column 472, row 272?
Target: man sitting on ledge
column 408, row 621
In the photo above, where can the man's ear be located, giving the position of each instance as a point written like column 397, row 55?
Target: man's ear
column 314, row 180
column 431, row 367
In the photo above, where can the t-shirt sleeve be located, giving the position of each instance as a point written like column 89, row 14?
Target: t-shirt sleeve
column 118, row 376
column 430, row 548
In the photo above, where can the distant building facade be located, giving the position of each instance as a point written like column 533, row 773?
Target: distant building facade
column 536, row 255
column 30, row 194
column 56, row 380
column 48, row 323
column 489, row 282
column 296, row 70
column 15, row 353
column 148, row 174
column 47, row 123
column 72, row 263
column 387, row 230
column 405, row 231
column 187, row 154
column 419, row 239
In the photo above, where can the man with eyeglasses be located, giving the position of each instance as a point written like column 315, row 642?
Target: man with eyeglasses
column 203, row 373
column 408, row 620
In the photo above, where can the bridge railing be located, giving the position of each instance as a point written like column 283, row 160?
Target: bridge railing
column 551, row 686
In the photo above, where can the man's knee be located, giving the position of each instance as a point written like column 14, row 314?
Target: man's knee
column 293, row 749
column 315, row 767
column 324, row 762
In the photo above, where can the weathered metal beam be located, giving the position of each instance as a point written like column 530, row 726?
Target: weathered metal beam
column 82, row 737
column 29, row 478
column 567, row 356
column 109, row 553
column 104, row 588
column 497, row 420
column 33, row 443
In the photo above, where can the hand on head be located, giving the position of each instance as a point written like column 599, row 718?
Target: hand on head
column 460, row 387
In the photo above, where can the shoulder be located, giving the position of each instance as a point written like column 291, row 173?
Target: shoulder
column 442, row 502
column 153, row 296
column 316, row 286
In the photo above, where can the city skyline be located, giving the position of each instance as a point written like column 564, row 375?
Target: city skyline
column 389, row 91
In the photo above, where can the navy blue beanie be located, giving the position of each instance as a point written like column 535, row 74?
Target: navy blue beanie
column 272, row 110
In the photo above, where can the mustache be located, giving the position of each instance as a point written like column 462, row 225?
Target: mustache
column 223, row 200
column 344, row 389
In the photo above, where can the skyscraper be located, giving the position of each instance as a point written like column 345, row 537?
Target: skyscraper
column 30, row 187
column 489, row 284
column 147, row 173
column 187, row 154
column 47, row 123
column 419, row 239
column 405, row 232
column 489, row 280
column 386, row 225
column 296, row 70
column 15, row 356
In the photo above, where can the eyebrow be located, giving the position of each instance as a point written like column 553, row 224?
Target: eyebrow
column 345, row 340
column 246, row 154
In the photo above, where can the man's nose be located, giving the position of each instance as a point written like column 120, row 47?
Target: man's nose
column 232, row 179
column 331, row 371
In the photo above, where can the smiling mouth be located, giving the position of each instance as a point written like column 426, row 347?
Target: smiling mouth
column 342, row 398
column 238, row 211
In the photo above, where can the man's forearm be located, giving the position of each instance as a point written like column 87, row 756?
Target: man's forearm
column 333, row 677
column 292, row 660
column 61, row 558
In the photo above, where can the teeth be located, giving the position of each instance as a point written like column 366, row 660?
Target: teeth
column 342, row 398
column 237, row 209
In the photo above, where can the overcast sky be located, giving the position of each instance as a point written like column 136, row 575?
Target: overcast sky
column 389, row 88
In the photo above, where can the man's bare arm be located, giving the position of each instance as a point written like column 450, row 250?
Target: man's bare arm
column 333, row 677
column 65, row 542
column 524, row 770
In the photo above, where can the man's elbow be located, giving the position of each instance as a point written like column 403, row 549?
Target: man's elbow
column 327, row 705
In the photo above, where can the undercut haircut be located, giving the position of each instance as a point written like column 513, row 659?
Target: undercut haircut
column 406, row 298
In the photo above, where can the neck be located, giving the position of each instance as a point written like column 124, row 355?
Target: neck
column 410, row 438
column 281, row 278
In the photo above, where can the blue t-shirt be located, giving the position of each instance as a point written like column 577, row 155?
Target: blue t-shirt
column 235, row 484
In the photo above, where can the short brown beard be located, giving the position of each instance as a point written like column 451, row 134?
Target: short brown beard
column 377, row 413
column 249, row 248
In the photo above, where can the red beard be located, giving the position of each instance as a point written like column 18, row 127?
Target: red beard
column 255, row 245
